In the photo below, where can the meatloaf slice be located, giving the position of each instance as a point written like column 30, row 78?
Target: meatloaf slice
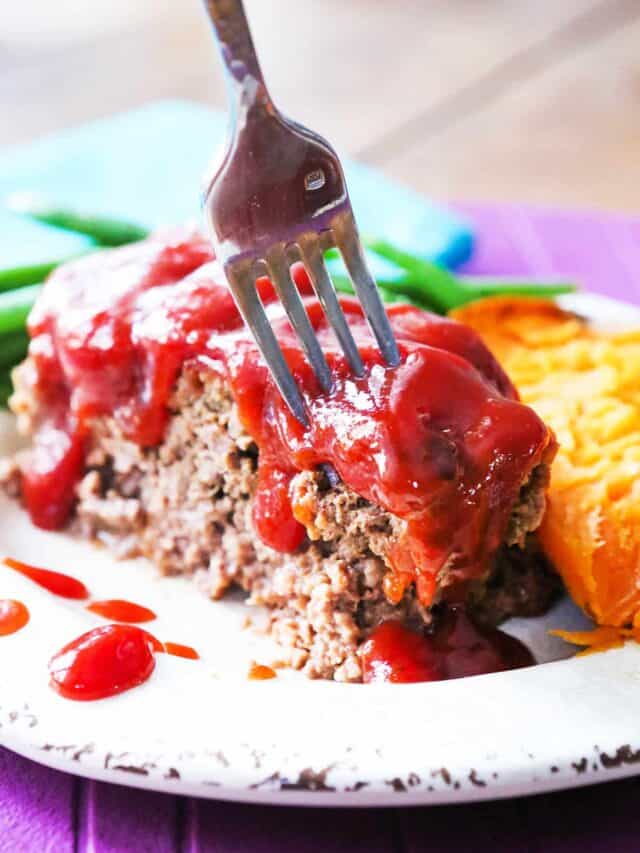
column 186, row 504
column 157, row 428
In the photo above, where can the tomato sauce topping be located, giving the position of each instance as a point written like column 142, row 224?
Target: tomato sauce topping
column 14, row 615
column 62, row 585
column 180, row 651
column 103, row 662
column 455, row 649
column 119, row 610
column 260, row 672
column 440, row 441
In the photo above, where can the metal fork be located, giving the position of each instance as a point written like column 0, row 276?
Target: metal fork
column 279, row 196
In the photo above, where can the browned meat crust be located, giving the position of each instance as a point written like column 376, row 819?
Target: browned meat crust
column 186, row 505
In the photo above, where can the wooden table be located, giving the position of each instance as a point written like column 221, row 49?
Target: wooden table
column 535, row 100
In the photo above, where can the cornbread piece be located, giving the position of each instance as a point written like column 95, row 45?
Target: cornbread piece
column 586, row 385
column 157, row 429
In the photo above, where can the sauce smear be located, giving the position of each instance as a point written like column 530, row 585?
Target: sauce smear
column 180, row 651
column 13, row 616
column 103, row 662
column 456, row 649
column 260, row 672
column 55, row 582
column 119, row 610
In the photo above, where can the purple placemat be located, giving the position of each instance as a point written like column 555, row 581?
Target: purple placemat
column 44, row 810
column 600, row 251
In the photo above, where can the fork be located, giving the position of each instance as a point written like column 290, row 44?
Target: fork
column 279, row 196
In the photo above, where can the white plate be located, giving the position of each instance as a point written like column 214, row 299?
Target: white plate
column 202, row 728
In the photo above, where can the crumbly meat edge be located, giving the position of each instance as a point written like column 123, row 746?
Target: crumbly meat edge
column 187, row 505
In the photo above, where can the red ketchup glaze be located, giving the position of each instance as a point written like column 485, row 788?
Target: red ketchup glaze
column 55, row 582
column 13, row 616
column 180, row 651
column 456, row 649
column 56, row 459
column 156, row 645
column 260, row 672
column 440, row 441
column 118, row 610
column 102, row 663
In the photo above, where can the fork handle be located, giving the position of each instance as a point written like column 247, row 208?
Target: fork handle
column 232, row 33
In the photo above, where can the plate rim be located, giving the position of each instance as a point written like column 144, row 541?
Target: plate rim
column 337, row 783
column 305, row 786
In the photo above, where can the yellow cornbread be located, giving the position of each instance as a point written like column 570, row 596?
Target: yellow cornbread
column 586, row 385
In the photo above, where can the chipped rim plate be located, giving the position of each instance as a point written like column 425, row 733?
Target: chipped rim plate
column 202, row 728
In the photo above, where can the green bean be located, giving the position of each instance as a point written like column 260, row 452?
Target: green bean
column 14, row 277
column 393, row 288
column 104, row 230
column 15, row 306
column 421, row 283
column 13, row 348
column 479, row 287
column 6, row 389
column 386, row 287
column 426, row 283
column 391, row 297
column 435, row 287
column 342, row 283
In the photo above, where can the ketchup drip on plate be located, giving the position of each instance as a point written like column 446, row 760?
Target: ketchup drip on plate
column 13, row 616
column 103, row 662
column 180, row 651
column 156, row 645
column 119, row 610
column 440, row 441
column 260, row 672
column 62, row 585
column 456, row 649
column 107, row 661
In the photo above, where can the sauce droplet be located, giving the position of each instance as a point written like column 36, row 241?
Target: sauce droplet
column 103, row 662
column 456, row 649
column 180, row 651
column 260, row 672
column 156, row 645
column 13, row 616
column 57, row 583
column 119, row 610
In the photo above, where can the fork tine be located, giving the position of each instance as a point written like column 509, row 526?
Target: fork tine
column 313, row 260
column 348, row 242
column 242, row 284
column 280, row 274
